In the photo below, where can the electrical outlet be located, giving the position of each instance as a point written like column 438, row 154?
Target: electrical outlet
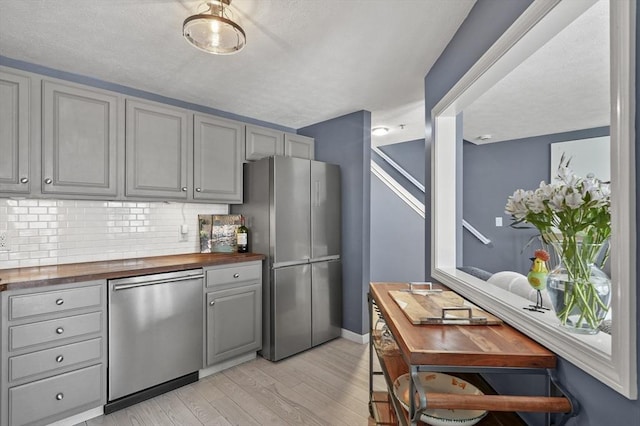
column 184, row 233
column 4, row 244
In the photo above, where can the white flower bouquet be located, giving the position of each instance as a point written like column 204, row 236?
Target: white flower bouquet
column 573, row 215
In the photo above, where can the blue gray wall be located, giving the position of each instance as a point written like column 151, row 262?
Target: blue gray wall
column 490, row 175
column 409, row 155
column 346, row 141
column 397, row 246
column 600, row 405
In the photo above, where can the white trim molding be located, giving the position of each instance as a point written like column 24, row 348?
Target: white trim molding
column 355, row 337
column 398, row 189
column 610, row 359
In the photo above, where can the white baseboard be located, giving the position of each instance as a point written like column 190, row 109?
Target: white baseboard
column 354, row 337
column 80, row 418
column 226, row 364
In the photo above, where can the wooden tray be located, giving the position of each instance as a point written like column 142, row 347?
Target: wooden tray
column 441, row 307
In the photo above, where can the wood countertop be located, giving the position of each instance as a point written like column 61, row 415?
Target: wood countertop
column 458, row 345
column 39, row 276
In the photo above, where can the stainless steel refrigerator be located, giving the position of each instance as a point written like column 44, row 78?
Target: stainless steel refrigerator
column 292, row 209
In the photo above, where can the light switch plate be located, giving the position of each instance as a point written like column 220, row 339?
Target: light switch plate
column 498, row 221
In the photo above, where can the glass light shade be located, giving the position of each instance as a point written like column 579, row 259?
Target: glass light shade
column 213, row 32
column 380, row 131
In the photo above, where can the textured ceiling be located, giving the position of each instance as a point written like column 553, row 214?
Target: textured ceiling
column 305, row 60
column 564, row 86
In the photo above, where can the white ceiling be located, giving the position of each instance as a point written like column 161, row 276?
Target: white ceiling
column 562, row 87
column 306, row 61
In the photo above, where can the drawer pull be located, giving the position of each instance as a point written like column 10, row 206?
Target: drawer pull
column 59, row 330
column 213, row 302
column 236, row 275
column 60, row 396
column 59, row 302
column 59, row 358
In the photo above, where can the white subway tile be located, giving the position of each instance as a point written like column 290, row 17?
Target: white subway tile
column 48, row 232
column 37, row 210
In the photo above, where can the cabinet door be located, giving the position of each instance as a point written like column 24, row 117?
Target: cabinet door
column 217, row 162
column 262, row 142
column 56, row 397
column 234, row 322
column 79, row 140
column 156, row 151
column 326, row 297
column 14, row 133
column 299, row 146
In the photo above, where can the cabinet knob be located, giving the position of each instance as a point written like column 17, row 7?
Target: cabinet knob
column 236, row 275
column 213, row 302
column 59, row 302
column 59, row 330
column 59, row 358
column 48, row 181
column 24, row 180
column 198, row 190
column 184, row 189
column 60, row 396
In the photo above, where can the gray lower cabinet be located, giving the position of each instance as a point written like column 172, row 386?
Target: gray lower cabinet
column 14, row 133
column 157, row 157
column 233, row 311
column 217, row 159
column 53, row 361
column 56, row 397
column 79, row 140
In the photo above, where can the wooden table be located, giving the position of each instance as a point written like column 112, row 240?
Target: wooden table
column 465, row 349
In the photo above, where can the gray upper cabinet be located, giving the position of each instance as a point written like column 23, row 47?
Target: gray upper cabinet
column 217, row 159
column 14, row 133
column 79, row 140
column 298, row 146
column 156, row 151
column 262, row 142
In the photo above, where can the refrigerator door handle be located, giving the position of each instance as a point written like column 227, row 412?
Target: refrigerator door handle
column 289, row 263
column 317, row 193
column 324, row 258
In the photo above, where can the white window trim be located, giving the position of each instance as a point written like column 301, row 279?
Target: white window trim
column 612, row 360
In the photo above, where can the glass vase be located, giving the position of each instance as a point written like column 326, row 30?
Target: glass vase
column 579, row 290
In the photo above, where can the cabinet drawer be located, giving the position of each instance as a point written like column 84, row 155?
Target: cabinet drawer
column 54, row 301
column 56, row 395
column 51, row 359
column 233, row 274
column 22, row 336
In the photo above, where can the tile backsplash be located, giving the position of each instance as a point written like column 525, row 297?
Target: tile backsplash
column 48, row 232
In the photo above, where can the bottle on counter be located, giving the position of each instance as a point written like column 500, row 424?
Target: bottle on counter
column 242, row 237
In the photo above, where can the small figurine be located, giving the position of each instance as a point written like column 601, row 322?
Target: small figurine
column 537, row 278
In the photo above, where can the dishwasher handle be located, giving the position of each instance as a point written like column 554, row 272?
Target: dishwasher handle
column 117, row 287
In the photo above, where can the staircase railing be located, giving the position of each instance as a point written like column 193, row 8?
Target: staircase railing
column 409, row 199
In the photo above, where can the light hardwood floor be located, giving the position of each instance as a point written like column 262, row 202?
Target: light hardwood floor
column 327, row 385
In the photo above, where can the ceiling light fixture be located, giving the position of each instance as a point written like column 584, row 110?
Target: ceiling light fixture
column 214, row 30
column 379, row 131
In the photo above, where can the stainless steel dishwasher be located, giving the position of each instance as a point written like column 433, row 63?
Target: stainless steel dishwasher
column 155, row 335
